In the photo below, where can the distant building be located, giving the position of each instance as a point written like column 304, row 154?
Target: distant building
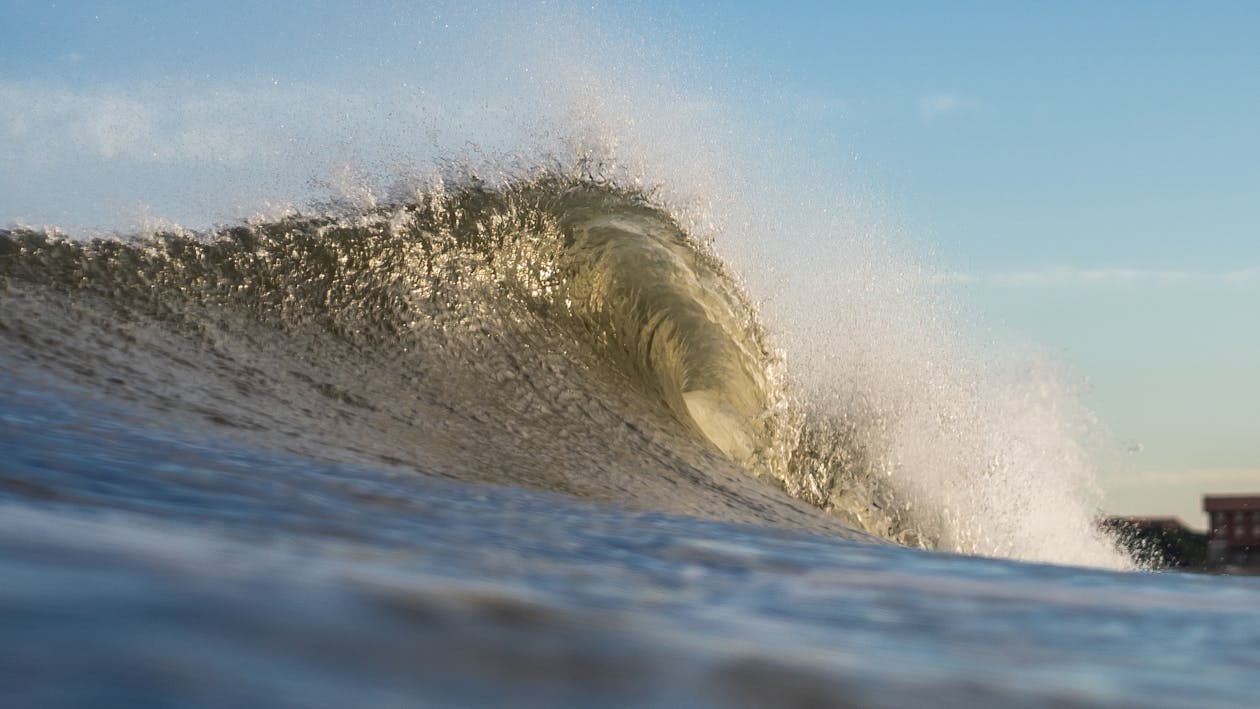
column 1233, row 532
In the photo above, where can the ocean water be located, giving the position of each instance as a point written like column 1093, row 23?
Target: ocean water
column 531, row 442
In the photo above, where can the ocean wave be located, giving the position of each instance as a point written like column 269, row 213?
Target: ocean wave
column 560, row 332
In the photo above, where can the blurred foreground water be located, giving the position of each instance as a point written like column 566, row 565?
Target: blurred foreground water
column 144, row 565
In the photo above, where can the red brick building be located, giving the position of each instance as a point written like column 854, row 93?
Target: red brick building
column 1233, row 530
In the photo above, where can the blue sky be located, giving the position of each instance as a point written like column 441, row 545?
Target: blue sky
column 1086, row 174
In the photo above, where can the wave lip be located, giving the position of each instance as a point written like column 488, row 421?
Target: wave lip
column 681, row 319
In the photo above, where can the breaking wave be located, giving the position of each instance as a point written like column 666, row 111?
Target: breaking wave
column 558, row 332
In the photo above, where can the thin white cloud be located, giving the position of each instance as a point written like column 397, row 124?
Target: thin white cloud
column 42, row 126
column 940, row 105
column 177, row 125
column 1070, row 276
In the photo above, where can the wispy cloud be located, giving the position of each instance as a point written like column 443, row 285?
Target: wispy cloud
column 46, row 126
column 1070, row 276
column 936, row 106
